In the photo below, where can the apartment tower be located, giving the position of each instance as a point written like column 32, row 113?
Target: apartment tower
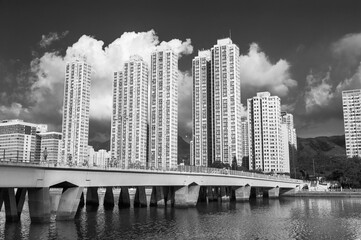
column 226, row 102
column 264, row 133
column 351, row 101
column 217, row 105
column 163, row 110
column 130, row 114
column 202, row 118
column 75, row 128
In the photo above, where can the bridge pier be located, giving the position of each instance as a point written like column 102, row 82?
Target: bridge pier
column 202, row 194
column 109, row 198
column 186, row 196
column 211, row 194
column 224, row 194
column 11, row 211
column 169, row 196
column 69, row 202
column 1, row 198
column 39, row 205
column 82, row 200
column 242, row 193
column 140, row 199
column 20, row 199
column 92, row 198
column 157, row 197
column 54, row 201
column 272, row 193
column 256, row 192
column 124, row 199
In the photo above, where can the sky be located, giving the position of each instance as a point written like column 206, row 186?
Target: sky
column 306, row 52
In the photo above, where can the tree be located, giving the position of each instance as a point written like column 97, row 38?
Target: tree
column 219, row 164
column 234, row 163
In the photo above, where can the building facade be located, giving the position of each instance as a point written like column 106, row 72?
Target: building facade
column 19, row 141
column 163, row 124
column 201, row 110
column 244, row 124
column 130, row 114
column 51, row 141
column 287, row 119
column 217, row 105
column 226, row 102
column 75, row 127
column 265, row 133
column 351, row 101
column 101, row 158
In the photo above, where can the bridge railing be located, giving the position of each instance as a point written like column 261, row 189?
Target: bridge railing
column 179, row 169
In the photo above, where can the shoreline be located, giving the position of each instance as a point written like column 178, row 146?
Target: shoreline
column 349, row 194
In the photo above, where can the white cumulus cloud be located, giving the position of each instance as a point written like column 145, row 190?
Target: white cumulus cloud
column 318, row 92
column 257, row 72
column 50, row 68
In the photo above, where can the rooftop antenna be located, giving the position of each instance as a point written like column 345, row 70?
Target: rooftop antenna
column 230, row 33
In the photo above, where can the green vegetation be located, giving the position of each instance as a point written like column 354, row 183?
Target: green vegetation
column 325, row 157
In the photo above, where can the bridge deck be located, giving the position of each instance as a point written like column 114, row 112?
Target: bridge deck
column 31, row 175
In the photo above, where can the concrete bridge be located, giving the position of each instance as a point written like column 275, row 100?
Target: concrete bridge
column 181, row 187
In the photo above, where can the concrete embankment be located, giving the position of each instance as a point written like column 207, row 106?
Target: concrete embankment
column 324, row 194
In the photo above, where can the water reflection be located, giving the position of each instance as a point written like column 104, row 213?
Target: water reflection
column 285, row 218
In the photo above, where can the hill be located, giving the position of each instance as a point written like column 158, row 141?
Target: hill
column 326, row 157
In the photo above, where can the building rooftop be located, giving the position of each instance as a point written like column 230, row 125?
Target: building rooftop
column 224, row 41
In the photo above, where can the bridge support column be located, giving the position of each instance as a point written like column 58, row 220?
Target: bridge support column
column 256, row 192
column 92, row 198
column 1, row 198
column 69, row 203
column 203, row 194
column 124, row 199
column 20, row 199
column 186, row 196
column 11, row 211
column 157, row 198
column 54, row 201
column 169, row 196
column 109, row 198
column 140, row 199
column 193, row 195
column 242, row 193
column 223, row 192
column 82, row 201
column 39, row 205
column 211, row 194
column 272, row 193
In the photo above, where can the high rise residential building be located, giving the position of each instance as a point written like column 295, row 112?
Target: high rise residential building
column 101, row 157
column 163, row 109
column 285, row 148
column 19, row 141
column 265, row 133
column 217, row 105
column 91, row 153
column 75, row 128
column 351, row 101
column 244, row 124
column 226, row 102
column 202, row 118
column 191, row 155
column 130, row 114
column 51, row 141
column 287, row 119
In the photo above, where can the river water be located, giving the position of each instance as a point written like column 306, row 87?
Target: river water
column 284, row 218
